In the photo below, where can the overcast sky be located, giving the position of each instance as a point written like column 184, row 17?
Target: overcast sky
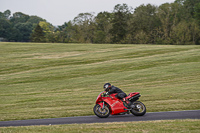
column 57, row 12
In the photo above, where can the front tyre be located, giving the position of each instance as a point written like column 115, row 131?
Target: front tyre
column 102, row 113
column 139, row 109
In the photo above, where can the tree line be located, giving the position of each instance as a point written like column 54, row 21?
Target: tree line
column 170, row 23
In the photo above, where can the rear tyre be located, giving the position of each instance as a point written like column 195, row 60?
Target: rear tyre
column 139, row 108
column 101, row 113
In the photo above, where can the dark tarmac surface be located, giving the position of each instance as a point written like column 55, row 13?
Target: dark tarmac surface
column 189, row 114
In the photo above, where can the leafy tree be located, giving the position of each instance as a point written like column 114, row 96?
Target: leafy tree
column 69, row 33
column 48, row 30
column 103, row 25
column 186, row 33
column 197, row 12
column 84, row 24
column 60, row 33
column 25, row 30
column 5, row 25
column 121, row 15
column 17, row 27
column 145, row 20
column 5, row 28
column 146, row 17
column 188, row 8
column 19, row 17
column 35, row 19
column 83, row 18
column 168, row 15
column 170, row 23
column 181, row 33
column 38, row 34
column 5, row 15
column 141, row 37
column 195, row 32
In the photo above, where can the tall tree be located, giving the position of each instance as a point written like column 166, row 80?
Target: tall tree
column 168, row 15
column 197, row 12
column 25, row 30
column 48, row 30
column 70, row 33
column 38, row 34
column 5, row 28
column 103, row 25
column 188, row 8
column 145, row 21
column 5, row 15
column 85, row 27
column 34, row 20
column 181, row 33
column 19, row 17
column 121, row 15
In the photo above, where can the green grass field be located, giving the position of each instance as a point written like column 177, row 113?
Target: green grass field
column 61, row 80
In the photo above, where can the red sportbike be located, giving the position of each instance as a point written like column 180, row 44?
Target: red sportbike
column 106, row 105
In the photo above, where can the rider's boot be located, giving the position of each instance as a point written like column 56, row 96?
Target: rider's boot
column 130, row 105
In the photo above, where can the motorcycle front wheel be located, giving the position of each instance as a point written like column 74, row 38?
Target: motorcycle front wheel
column 102, row 113
column 139, row 109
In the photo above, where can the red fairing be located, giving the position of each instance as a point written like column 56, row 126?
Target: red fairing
column 99, row 98
column 116, row 104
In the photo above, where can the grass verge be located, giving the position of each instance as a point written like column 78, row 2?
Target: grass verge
column 167, row 126
column 61, row 80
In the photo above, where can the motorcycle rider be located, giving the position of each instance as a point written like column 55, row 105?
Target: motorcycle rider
column 120, row 94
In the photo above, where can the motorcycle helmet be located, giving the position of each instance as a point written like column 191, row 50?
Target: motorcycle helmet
column 107, row 86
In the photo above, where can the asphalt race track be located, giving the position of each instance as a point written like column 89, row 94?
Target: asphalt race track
column 190, row 114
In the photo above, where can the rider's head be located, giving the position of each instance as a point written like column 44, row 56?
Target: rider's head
column 107, row 86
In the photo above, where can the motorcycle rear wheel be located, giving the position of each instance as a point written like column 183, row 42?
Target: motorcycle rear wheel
column 101, row 113
column 139, row 109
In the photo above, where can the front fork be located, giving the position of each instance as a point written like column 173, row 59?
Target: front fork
column 103, row 105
